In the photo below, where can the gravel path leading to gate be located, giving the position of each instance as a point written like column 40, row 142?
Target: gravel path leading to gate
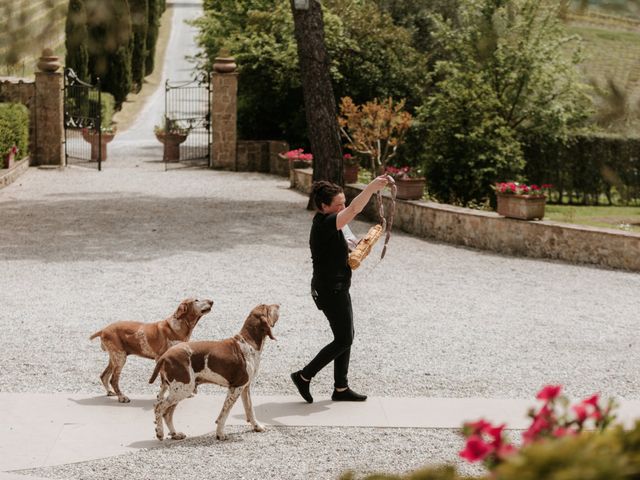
column 82, row 248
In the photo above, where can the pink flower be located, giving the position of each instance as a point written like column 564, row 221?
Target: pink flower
column 549, row 392
column 477, row 428
column 592, row 400
column 476, row 449
column 581, row 412
column 298, row 154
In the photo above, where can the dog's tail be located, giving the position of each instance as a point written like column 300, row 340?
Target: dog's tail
column 97, row 334
column 156, row 370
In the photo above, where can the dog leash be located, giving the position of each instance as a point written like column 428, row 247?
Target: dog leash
column 387, row 225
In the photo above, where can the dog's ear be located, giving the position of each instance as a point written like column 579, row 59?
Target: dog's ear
column 183, row 308
column 266, row 324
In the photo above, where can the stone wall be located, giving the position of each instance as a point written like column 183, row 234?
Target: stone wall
column 490, row 231
column 262, row 156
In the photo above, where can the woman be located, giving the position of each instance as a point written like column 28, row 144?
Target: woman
column 331, row 281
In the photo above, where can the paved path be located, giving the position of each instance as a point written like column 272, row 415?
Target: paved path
column 69, row 428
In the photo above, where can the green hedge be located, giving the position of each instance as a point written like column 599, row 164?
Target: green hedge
column 591, row 169
column 14, row 129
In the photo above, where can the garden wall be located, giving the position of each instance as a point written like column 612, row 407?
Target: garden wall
column 490, row 231
column 261, row 156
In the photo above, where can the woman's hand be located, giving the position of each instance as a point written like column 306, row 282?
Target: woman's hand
column 379, row 183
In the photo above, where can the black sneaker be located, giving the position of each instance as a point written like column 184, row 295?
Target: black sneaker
column 302, row 385
column 347, row 395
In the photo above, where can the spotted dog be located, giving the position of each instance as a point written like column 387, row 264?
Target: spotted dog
column 148, row 340
column 231, row 363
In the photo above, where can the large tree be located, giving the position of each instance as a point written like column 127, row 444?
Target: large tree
column 319, row 101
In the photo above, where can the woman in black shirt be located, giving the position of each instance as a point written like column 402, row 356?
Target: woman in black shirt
column 331, row 281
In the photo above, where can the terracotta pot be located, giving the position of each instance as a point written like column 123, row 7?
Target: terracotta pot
column 411, row 188
column 98, row 143
column 171, row 142
column 9, row 160
column 523, row 207
column 350, row 173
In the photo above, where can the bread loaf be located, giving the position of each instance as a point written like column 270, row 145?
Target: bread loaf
column 364, row 247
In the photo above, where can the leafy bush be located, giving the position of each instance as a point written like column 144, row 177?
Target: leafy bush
column 14, row 129
column 506, row 77
column 370, row 58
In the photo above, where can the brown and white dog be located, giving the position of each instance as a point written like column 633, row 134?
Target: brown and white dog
column 231, row 363
column 148, row 340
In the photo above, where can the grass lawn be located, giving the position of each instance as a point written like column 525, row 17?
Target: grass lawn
column 622, row 218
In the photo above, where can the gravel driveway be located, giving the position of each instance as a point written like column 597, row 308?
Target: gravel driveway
column 82, row 248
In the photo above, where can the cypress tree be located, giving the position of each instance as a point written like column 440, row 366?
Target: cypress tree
column 110, row 40
column 153, row 25
column 139, row 19
column 76, row 37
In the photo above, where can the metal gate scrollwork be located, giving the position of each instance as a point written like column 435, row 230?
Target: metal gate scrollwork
column 188, row 112
column 82, row 122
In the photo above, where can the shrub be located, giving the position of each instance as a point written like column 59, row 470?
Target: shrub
column 259, row 33
column 507, row 75
column 14, row 129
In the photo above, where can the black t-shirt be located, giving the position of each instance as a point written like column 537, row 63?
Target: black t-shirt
column 329, row 254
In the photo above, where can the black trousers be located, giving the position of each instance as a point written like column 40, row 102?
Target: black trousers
column 336, row 305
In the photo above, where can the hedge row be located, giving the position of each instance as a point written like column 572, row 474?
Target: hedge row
column 14, row 129
column 589, row 170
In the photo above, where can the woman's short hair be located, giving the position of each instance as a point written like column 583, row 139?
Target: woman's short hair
column 323, row 192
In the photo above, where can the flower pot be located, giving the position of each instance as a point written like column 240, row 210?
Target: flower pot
column 523, row 207
column 410, row 188
column 98, row 143
column 350, row 173
column 171, row 142
column 9, row 160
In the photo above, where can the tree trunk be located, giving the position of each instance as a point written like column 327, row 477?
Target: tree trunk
column 319, row 102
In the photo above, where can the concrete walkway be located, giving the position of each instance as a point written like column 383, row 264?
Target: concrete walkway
column 69, row 428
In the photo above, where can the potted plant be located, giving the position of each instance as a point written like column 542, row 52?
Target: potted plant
column 99, row 141
column 10, row 157
column 107, row 132
column 374, row 129
column 351, row 167
column 171, row 134
column 297, row 158
column 409, row 181
column 517, row 200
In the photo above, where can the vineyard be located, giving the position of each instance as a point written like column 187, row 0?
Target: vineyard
column 26, row 27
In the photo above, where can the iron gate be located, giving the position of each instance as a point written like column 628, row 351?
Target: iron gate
column 188, row 111
column 82, row 121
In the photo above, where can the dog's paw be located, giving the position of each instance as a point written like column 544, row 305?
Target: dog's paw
column 123, row 399
column 221, row 436
column 258, row 427
column 178, row 436
column 111, row 394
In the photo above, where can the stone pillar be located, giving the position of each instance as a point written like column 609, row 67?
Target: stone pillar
column 224, row 113
column 49, row 115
